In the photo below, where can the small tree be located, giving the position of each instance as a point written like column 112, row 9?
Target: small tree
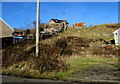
column 28, row 31
column 41, row 28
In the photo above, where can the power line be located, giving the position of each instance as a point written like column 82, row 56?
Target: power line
column 21, row 7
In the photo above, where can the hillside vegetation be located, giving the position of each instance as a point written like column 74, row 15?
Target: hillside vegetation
column 65, row 55
column 94, row 32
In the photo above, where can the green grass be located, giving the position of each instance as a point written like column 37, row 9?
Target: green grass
column 92, row 33
column 77, row 63
column 84, row 62
column 89, row 33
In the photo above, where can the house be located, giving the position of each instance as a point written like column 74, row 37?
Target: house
column 5, row 34
column 53, row 21
column 6, row 29
column 18, row 32
column 117, row 37
column 78, row 25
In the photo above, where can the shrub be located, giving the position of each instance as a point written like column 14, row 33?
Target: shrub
column 47, row 61
column 105, row 50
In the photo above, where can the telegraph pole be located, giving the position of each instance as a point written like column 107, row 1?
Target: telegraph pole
column 37, row 27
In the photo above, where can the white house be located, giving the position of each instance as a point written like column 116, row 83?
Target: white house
column 117, row 37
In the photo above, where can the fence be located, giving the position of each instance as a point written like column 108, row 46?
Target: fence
column 7, row 41
column 10, row 41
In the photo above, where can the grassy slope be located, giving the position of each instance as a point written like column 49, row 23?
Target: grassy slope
column 94, row 32
column 86, row 59
column 77, row 61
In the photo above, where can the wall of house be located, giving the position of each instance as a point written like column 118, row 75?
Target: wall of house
column 117, row 37
column 77, row 25
column 56, row 25
column 52, row 22
column 6, row 30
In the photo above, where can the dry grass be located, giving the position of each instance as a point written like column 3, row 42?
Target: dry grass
column 80, row 48
column 99, row 32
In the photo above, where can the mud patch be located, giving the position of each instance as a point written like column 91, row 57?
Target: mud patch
column 98, row 73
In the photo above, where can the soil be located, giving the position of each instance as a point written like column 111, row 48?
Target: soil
column 98, row 73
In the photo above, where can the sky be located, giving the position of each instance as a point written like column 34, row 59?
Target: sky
column 21, row 14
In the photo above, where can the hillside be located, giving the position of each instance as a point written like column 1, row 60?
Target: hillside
column 67, row 54
column 94, row 32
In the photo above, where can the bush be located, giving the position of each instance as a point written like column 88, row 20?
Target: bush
column 71, row 45
column 16, row 53
column 47, row 61
column 41, row 28
column 105, row 50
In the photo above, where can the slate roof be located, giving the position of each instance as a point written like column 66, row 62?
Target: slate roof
column 59, row 21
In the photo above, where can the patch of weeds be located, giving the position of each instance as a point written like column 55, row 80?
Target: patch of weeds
column 104, row 50
column 48, row 60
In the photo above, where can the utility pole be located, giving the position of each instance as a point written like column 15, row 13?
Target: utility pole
column 37, row 28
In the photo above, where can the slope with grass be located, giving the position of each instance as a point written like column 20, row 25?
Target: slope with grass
column 69, row 54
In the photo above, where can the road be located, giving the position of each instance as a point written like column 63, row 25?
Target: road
column 15, row 80
column 19, row 79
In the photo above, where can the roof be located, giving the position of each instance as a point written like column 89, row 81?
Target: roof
column 116, row 31
column 6, row 29
column 59, row 21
